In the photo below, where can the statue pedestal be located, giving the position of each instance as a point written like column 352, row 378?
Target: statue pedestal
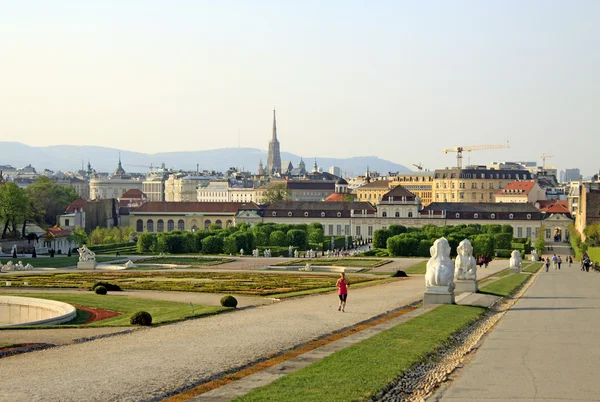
column 466, row 285
column 86, row 265
column 438, row 295
column 515, row 270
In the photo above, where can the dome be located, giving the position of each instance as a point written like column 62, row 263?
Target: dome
column 341, row 182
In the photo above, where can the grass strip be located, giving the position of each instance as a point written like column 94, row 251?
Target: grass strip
column 505, row 286
column 335, row 262
column 161, row 311
column 533, row 268
column 363, row 369
column 418, row 268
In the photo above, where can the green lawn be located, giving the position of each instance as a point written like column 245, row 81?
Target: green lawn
column 594, row 253
column 418, row 268
column 185, row 260
column 361, row 370
column 6, row 345
column 505, row 286
column 56, row 262
column 259, row 284
column 161, row 311
column 335, row 262
column 534, row 267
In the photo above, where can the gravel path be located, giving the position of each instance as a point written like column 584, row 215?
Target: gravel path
column 148, row 364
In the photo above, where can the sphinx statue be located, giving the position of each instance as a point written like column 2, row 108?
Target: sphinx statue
column 465, row 264
column 515, row 262
column 440, row 268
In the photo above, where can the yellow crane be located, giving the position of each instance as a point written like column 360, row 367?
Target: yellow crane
column 544, row 157
column 469, row 148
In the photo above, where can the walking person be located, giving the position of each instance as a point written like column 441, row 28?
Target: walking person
column 547, row 263
column 554, row 261
column 582, row 264
column 559, row 261
column 342, row 285
column 586, row 264
column 570, row 260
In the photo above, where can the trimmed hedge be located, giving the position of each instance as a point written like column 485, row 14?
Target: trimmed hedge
column 503, row 253
column 112, row 287
column 141, row 318
column 229, row 301
column 100, row 290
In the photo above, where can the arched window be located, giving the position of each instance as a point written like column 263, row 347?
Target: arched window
column 139, row 225
column 180, row 225
column 219, row 223
column 170, row 225
column 397, row 214
column 229, row 223
column 206, row 224
column 410, row 215
column 384, row 214
column 150, row 225
column 160, row 226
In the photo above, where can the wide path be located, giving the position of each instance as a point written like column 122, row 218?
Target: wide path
column 546, row 348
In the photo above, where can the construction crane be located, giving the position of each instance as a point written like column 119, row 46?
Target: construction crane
column 469, row 148
column 544, row 157
column 418, row 166
column 144, row 166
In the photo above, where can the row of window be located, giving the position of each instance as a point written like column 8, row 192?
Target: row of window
column 160, row 225
column 492, row 216
column 274, row 213
column 516, row 176
column 397, row 215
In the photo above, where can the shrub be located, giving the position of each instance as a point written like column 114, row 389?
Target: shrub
column 100, row 290
column 277, row 238
column 396, row 229
column 141, row 318
column 503, row 253
column 229, row 301
column 297, row 238
column 111, row 287
column 399, row 274
column 146, row 242
column 380, row 238
column 212, row 245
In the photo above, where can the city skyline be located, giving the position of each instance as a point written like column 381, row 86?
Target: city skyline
column 398, row 81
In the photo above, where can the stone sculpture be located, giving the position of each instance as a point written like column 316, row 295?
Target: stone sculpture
column 241, row 252
column 20, row 266
column 9, row 266
column 534, row 255
column 290, row 251
column 465, row 264
column 296, row 254
column 515, row 262
column 129, row 264
column 28, row 267
column 439, row 277
column 85, row 255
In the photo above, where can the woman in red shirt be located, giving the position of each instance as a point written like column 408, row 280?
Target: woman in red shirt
column 342, row 285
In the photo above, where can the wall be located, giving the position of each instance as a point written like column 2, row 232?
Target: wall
column 16, row 311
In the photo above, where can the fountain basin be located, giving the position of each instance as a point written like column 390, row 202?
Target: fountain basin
column 20, row 311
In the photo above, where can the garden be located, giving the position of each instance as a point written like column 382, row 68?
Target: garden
column 254, row 284
column 55, row 262
column 339, row 262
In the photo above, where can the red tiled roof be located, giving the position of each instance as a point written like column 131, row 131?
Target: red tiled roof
column 57, row 232
column 75, row 205
column 133, row 193
column 517, row 188
column 554, row 206
column 193, row 207
column 335, row 197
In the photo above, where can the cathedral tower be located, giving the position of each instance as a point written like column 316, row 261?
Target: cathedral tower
column 274, row 157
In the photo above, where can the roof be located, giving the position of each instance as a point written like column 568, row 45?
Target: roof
column 339, row 197
column 478, row 173
column 75, row 206
column 483, row 210
column 397, row 193
column 517, row 188
column 133, row 193
column 376, row 184
column 193, row 207
column 57, row 232
column 554, row 206
column 341, row 182
column 317, row 209
column 310, row 185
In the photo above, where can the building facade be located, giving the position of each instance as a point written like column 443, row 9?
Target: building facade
column 418, row 183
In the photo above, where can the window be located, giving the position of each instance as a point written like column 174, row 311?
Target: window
column 358, row 231
column 67, row 222
column 331, row 230
column 510, row 216
column 474, row 195
column 219, row 223
column 548, row 233
column 519, row 232
column 384, row 214
column 150, row 225
column 461, row 196
column 397, row 214
column 339, row 214
column 180, row 225
column 338, row 229
column 347, row 230
column 160, row 226
column 170, row 225
column 475, row 215
column 493, row 216
column 322, row 214
column 206, row 224
column 139, row 225
column 528, row 216
column 457, row 215
column 410, row 215
column 274, row 213
column 306, row 214
column 528, row 232
column 370, row 231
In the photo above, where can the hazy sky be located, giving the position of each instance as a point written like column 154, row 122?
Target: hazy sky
column 399, row 80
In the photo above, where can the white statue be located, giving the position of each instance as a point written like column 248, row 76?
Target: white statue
column 296, row 254
column 465, row 264
column 440, row 268
column 20, row 266
column 534, row 255
column 290, row 251
column 85, row 255
column 28, row 267
column 515, row 260
column 241, row 252
column 308, row 267
column 129, row 264
column 9, row 266
column 14, row 251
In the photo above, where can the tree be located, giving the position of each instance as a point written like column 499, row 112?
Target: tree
column 14, row 206
column 53, row 198
column 592, row 233
column 483, row 245
column 212, row 245
column 277, row 238
column 79, row 237
column 540, row 243
column 380, row 238
column 297, row 238
column 396, row 229
column 278, row 192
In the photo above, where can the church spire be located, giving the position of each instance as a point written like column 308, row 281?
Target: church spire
column 274, row 127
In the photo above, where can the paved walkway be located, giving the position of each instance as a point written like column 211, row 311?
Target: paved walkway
column 546, row 348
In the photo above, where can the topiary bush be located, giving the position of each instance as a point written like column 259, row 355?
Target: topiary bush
column 141, row 318
column 100, row 290
column 111, row 287
column 229, row 301
column 399, row 274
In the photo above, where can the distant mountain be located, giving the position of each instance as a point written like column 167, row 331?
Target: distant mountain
column 70, row 158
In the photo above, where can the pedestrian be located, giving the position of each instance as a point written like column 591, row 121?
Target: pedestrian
column 570, row 260
column 586, row 264
column 559, row 261
column 486, row 261
column 582, row 264
column 554, row 261
column 342, row 285
column 547, row 263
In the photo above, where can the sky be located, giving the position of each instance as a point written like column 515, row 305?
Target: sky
column 395, row 79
